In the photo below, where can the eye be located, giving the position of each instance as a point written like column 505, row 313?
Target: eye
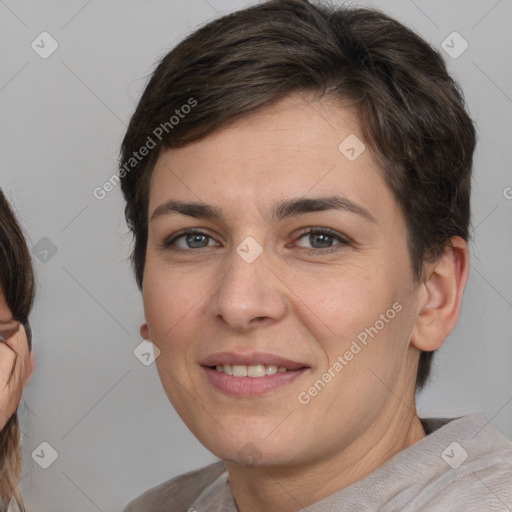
column 5, row 335
column 189, row 239
column 321, row 239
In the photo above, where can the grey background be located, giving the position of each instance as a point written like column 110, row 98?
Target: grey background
column 61, row 122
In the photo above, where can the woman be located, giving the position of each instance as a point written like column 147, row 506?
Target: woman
column 297, row 180
column 16, row 360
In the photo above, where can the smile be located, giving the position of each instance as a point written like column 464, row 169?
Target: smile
column 256, row 370
column 250, row 375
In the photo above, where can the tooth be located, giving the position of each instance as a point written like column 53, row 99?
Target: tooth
column 270, row 369
column 239, row 370
column 257, row 370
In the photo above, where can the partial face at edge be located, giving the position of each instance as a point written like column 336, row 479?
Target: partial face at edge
column 8, row 326
column 306, row 298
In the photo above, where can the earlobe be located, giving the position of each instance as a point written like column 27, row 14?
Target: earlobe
column 441, row 297
column 144, row 331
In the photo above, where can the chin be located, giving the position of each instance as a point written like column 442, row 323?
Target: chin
column 251, row 448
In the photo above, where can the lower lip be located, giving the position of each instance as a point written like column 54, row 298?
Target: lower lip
column 251, row 386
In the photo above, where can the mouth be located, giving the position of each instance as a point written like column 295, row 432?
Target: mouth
column 251, row 374
column 253, row 370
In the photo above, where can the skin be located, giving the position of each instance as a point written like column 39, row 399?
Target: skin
column 16, row 362
column 292, row 301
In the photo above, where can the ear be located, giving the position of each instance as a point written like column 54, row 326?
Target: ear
column 144, row 331
column 440, row 296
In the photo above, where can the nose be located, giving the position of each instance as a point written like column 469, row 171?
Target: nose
column 250, row 294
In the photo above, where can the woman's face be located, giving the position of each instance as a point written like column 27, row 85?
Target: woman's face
column 255, row 291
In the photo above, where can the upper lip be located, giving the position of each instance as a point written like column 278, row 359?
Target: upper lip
column 250, row 359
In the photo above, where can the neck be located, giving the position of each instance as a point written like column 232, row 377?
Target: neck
column 288, row 489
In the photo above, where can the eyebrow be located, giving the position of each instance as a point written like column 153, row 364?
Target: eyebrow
column 279, row 211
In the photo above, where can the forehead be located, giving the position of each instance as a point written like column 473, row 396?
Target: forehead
column 294, row 148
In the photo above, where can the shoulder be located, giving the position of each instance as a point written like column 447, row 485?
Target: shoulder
column 475, row 467
column 179, row 492
column 482, row 484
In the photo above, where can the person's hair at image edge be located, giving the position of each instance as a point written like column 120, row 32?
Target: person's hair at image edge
column 412, row 113
column 17, row 286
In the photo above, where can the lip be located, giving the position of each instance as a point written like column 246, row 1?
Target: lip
column 251, row 359
column 251, row 386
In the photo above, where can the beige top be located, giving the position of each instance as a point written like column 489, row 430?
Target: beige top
column 464, row 464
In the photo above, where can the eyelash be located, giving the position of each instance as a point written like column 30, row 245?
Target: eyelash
column 7, row 333
column 306, row 231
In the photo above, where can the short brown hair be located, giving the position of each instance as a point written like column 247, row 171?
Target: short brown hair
column 412, row 113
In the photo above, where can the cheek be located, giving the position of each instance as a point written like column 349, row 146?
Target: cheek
column 172, row 301
column 355, row 313
column 344, row 301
